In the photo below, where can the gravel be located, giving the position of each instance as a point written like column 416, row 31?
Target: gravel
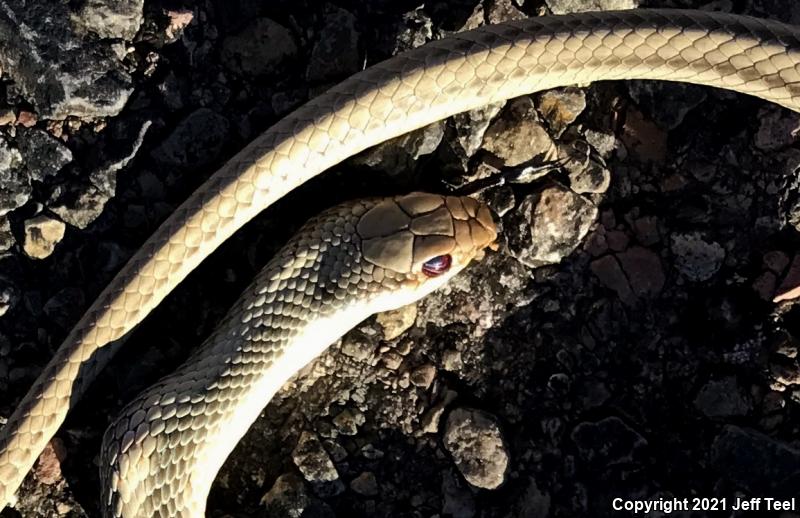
column 632, row 337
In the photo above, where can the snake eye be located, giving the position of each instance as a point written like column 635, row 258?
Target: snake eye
column 435, row 266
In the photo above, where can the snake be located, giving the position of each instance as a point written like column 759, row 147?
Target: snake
column 160, row 456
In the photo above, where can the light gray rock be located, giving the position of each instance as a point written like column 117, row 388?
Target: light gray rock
column 578, row 6
column 43, row 155
column 549, row 225
column 287, row 496
column 55, row 68
column 316, row 465
column 113, row 19
column 474, row 440
column 15, row 184
column 516, row 136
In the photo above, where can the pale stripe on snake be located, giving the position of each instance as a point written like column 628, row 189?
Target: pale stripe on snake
column 462, row 72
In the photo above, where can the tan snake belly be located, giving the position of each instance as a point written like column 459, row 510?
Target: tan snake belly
column 465, row 71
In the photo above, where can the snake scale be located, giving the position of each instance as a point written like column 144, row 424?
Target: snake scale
column 161, row 455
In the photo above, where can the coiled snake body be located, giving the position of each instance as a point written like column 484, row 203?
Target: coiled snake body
column 161, row 456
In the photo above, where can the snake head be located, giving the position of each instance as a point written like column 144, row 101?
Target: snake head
column 422, row 240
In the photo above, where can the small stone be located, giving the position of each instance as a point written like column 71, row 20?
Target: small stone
column 347, row 421
column 499, row 11
column 287, row 496
column 81, row 208
column 549, row 225
column 722, row 398
column 430, row 419
column 578, row 6
column 474, row 440
column 643, row 270
column 587, row 174
column 335, row 54
column 316, row 465
column 27, row 119
column 114, row 20
column 392, row 360
column 42, row 154
column 608, row 442
column 609, row 272
column 7, row 117
column 561, row 107
column 358, row 346
column 643, row 138
column 451, row 360
column 778, row 128
column 15, row 184
column 696, row 259
column 179, row 19
column 42, row 234
column 765, row 285
column 397, row 321
column 516, row 137
column 9, row 296
column 196, row 140
column 48, row 465
column 401, row 153
column 603, row 143
column 471, row 126
column 365, row 484
column 423, row 375
column 260, row 48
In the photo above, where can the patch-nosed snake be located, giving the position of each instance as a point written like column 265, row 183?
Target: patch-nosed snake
column 161, row 455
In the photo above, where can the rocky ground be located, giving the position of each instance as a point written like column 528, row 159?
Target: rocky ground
column 635, row 336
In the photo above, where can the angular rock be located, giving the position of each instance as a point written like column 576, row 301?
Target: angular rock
column 561, row 107
column 42, row 234
column 399, row 154
column 196, row 141
column 516, row 137
column 15, row 184
column 777, row 128
column 287, row 496
column 365, row 484
column 259, row 48
column 56, row 69
column 42, row 154
column 578, row 6
column 471, row 126
column 723, row 398
column 474, row 440
column 316, row 465
column 6, row 237
column 398, row 321
column 115, row 19
column 696, row 259
column 644, row 271
column 550, row 225
column 608, row 442
column 335, row 54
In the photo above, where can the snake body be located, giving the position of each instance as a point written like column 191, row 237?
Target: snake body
column 464, row 71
